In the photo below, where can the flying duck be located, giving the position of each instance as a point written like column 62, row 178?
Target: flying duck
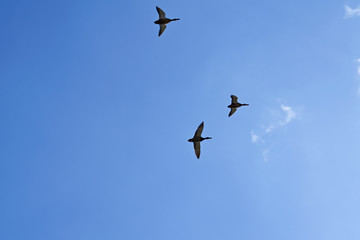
column 197, row 139
column 235, row 104
column 162, row 21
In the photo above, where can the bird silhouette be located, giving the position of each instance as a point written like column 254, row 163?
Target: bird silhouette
column 235, row 104
column 197, row 139
column 162, row 21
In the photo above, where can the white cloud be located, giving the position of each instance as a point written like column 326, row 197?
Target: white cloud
column 351, row 12
column 290, row 114
column 270, row 128
column 280, row 117
column 265, row 154
column 255, row 138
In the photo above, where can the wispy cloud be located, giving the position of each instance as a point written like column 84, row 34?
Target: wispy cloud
column 270, row 128
column 265, row 154
column 351, row 12
column 281, row 117
column 290, row 114
column 255, row 138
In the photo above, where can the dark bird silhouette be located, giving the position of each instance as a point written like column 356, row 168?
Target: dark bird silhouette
column 197, row 139
column 162, row 21
column 235, row 104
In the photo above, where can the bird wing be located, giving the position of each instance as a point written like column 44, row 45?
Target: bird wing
column 162, row 29
column 234, row 99
column 160, row 12
column 199, row 130
column 232, row 111
column 197, row 149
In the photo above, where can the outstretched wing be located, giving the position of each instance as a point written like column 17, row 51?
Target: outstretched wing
column 199, row 130
column 197, row 149
column 160, row 12
column 232, row 111
column 234, row 99
column 162, row 29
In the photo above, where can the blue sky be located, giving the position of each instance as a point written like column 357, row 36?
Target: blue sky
column 96, row 111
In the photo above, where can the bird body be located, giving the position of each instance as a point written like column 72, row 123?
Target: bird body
column 235, row 104
column 165, row 20
column 197, row 139
column 162, row 21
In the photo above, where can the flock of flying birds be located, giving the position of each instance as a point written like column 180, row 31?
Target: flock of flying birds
column 162, row 21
